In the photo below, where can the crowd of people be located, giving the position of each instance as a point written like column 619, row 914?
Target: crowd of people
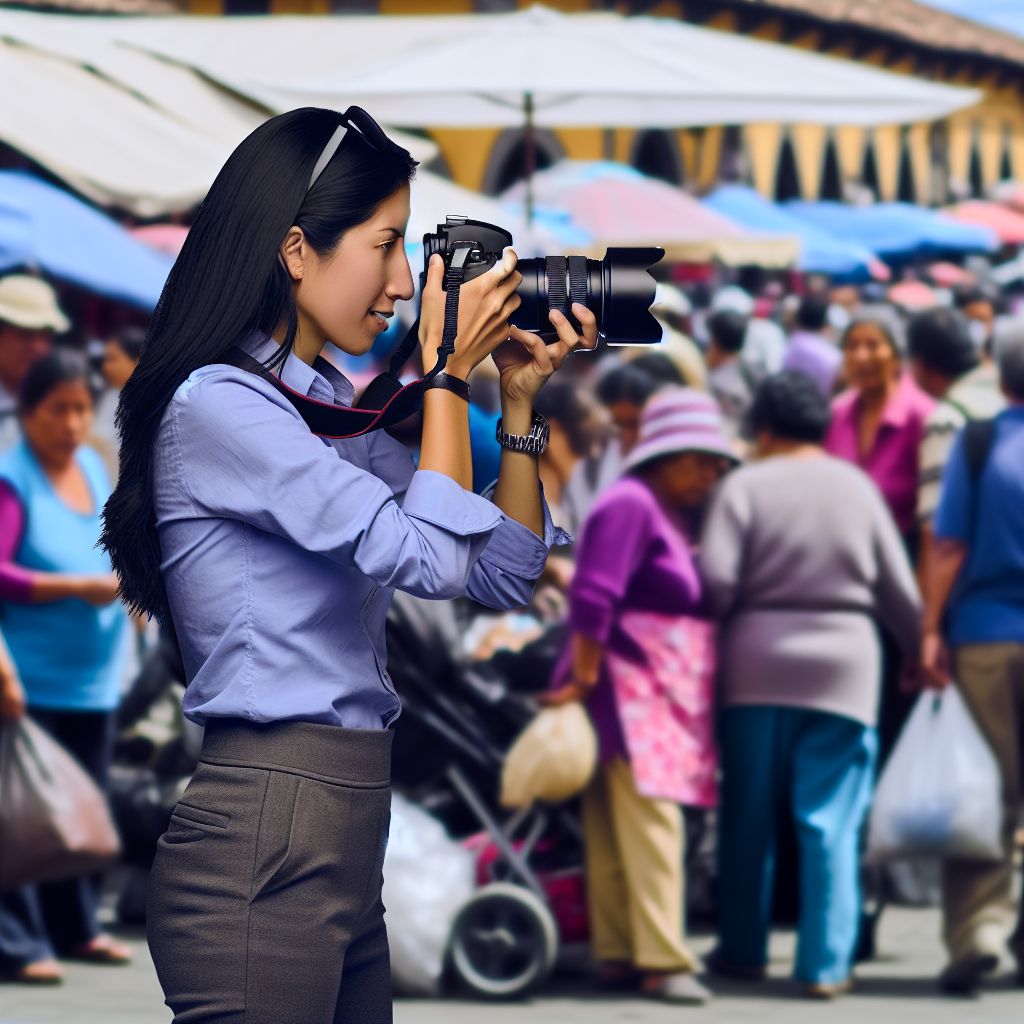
column 790, row 517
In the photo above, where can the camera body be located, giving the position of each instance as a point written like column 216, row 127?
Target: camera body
column 618, row 290
column 489, row 242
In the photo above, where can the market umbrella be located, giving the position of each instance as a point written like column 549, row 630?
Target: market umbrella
column 540, row 67
column 912, row 296
column 896, row 230
column 1009, row 193
column 617, row 205
column 820, row 252
column 45, row 227
column 1006, row 223
column 949, row 275
column 605, row 68
column 434, row 197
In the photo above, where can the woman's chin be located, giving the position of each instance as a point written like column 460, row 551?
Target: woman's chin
column 357, row 343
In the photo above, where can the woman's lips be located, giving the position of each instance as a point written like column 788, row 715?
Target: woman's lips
column 381, row 319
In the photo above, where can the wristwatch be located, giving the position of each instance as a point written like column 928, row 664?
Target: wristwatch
column 454, row 384
column 533, row 443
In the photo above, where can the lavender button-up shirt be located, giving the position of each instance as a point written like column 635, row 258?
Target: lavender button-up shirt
column 281, row 551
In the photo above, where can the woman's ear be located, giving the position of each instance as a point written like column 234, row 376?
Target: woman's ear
column 292, row 252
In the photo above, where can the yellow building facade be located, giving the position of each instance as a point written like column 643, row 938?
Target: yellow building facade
column 927, row 163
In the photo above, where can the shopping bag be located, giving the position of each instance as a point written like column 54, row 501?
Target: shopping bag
column 940, row 795
column 54, row 821
column 553, row 759
column 428, row 877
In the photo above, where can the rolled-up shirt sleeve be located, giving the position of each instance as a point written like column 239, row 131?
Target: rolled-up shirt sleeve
column 507, row 570
column 510, row 565
column 244, row 454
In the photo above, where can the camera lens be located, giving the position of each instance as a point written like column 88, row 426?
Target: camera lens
column 619, row 290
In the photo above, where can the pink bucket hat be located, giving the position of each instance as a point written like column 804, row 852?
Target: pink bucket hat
column 678, row 420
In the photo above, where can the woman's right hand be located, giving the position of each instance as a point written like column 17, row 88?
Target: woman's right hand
column 97, row 590
column 12, row 697
column 485, row 305
column 935, row 671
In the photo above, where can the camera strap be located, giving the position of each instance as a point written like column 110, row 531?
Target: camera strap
column 386, row 401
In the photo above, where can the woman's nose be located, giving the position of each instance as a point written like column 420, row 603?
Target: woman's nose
column 402, row 286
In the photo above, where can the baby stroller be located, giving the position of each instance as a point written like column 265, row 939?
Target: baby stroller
column 459, row 720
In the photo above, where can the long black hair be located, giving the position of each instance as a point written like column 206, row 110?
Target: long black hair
column 227, row 282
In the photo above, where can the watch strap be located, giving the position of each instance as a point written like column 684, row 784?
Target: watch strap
column 445, row 380
column 533, row 443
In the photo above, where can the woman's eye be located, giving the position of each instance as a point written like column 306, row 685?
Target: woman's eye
column 387, row 246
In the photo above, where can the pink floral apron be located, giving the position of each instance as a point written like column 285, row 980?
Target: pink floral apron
column 666, row 706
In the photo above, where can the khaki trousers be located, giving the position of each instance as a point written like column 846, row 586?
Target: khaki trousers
column 634, row 865
column 978, row 904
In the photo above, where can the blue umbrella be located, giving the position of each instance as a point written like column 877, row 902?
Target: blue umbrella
column 45, row 227
column 820, row 252
column 896, row 230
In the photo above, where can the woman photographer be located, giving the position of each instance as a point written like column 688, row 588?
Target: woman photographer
column 275, row 555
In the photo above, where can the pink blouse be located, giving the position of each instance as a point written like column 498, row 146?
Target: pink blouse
column 893, row 460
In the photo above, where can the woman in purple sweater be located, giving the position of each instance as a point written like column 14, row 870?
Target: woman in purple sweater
column 641, row 660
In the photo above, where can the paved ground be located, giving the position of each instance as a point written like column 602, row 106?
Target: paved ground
column 898, row 988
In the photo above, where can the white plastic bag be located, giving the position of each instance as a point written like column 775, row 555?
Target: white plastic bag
column 427, row 879
column 552, row 760
column 940, row 794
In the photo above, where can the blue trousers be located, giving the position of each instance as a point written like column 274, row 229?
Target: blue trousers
column 822, row 766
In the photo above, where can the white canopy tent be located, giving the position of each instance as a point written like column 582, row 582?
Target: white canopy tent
column 123, row 126
column 108, row 144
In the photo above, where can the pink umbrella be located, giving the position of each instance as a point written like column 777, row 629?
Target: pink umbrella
column 1006, row 223
column 617, row 205
column 912, row 295
column 949, row 275
column 167, row 238
column 1009, row 193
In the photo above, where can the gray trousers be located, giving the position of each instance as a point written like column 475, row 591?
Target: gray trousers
column 264, row 903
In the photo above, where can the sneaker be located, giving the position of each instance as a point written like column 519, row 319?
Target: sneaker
column 963, row 977
column 682, row 989
column 826, row 990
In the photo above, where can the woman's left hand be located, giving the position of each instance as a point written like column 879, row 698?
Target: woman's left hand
column 12, row 697
column 525, row 362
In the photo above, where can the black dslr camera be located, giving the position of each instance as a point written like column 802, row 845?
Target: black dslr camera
column 619, row 289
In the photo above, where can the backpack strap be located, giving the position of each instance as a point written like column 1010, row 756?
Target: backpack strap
column 979, row 436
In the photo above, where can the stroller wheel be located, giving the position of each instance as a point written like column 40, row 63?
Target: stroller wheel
column 504, row 941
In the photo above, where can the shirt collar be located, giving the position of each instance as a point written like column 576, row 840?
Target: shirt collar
column 321, row 381
column 898, row 409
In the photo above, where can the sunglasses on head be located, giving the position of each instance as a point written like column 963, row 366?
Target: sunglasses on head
column 357, row 120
